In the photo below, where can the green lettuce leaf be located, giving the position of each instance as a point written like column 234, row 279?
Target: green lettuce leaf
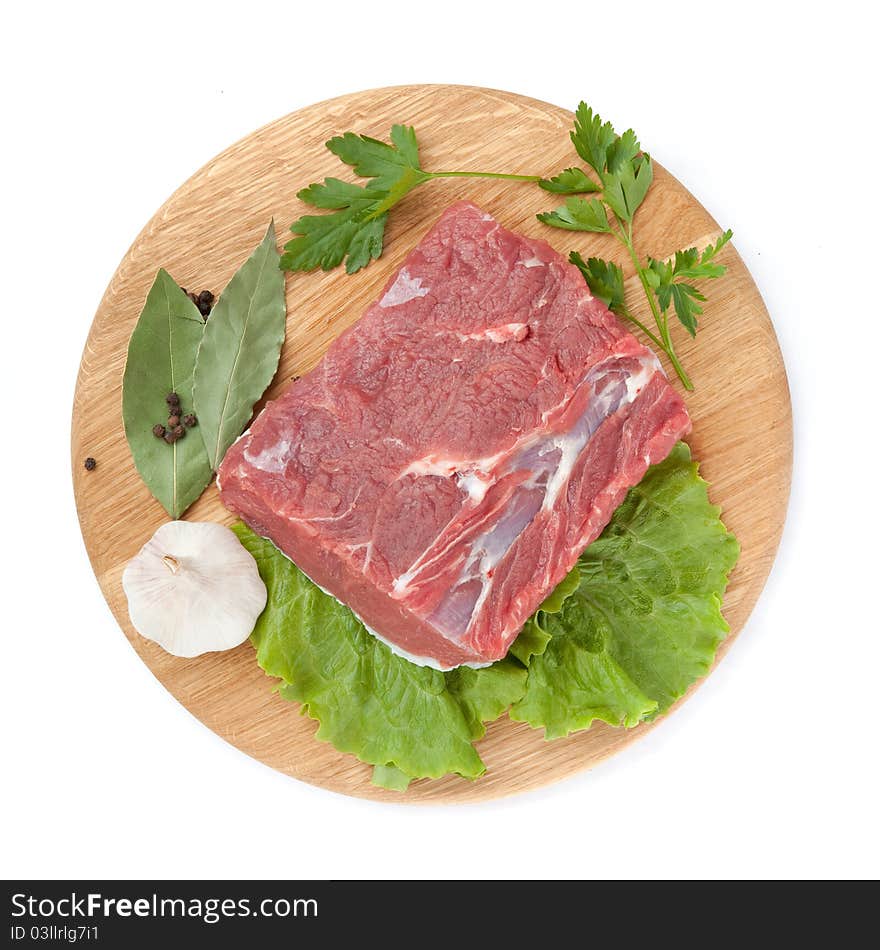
column 620, row 638
column 534, row 636
column 389, row 776
column 646, row 619
column 370, row 702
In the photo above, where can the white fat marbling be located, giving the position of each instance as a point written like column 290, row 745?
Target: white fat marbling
column 395, row 649
column 573, row 442
column 404, row 289
column 549, row 461
column 272, row 459
column 474, row 486
column 503, row 333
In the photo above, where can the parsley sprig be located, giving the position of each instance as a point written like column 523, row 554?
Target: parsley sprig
column 355, row 229
column 624, row 175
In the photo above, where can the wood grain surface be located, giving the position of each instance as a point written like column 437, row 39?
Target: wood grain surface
column 741, row 410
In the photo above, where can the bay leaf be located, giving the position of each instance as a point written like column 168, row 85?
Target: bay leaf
column 239, row 352
column 161, row 359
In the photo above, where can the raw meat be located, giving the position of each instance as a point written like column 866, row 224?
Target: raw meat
column 443, row 466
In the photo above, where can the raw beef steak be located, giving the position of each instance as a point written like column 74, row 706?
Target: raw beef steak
column 443, row 466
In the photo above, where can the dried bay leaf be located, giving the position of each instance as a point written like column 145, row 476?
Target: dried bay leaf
column 239, row 352
column 161, row 359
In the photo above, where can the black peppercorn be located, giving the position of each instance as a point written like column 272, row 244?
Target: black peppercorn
column 189, row 420
column 170, row 437
column 173, row 420
column 172, row 399
column 205, row 302
column 90, row 464
column 179, row 431
column 158, row 430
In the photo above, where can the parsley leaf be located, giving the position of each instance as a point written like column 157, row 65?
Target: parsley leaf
column 693, row 265
column 592, row 138
column 578, row 214
column 324, row 241
column 605, row 280
column 371, row 158
column 622, row 151
column 626, row 173
column 626, row 187
column 670, row 280
column 571, row 181
column 356, row 229
column 684, row 297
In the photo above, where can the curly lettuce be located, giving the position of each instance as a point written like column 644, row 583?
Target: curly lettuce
column 408, row 720
column 620, row 639
column 646, row 620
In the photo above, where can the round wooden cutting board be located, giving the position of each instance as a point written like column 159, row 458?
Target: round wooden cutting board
column 741, row 409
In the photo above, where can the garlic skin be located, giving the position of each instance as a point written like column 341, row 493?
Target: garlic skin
column 193, row 589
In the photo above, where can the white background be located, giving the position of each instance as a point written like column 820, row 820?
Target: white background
column 768, row 113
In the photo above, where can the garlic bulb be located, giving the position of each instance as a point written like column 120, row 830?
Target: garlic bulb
column 193, row 589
